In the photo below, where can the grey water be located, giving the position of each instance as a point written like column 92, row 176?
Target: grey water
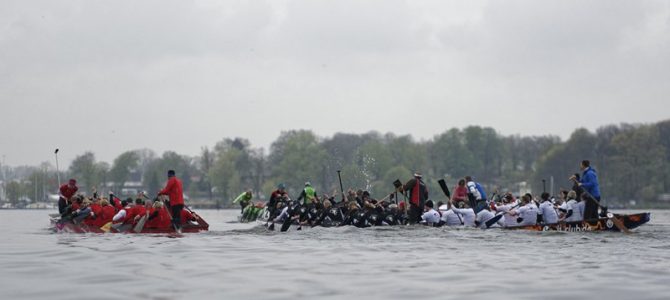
column 246, row 261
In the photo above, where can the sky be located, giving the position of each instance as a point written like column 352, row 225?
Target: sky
column 111, row 76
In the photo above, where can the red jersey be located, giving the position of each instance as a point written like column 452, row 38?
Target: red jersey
column 116, row 203
column 107, row 214
column 161, row 220
column 68, row 191
column 174, row 190
column 95, row 220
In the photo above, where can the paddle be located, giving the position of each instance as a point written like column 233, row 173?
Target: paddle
column 445, row 190
column 140, row 224
column 341, row 186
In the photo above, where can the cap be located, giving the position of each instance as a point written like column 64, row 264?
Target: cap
column 281, row 186
column 418, row 174
column 308, row 183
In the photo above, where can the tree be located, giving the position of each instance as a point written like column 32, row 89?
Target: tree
column 14, row 191
column 121, row 168
column 297, row 156
column 87, row 171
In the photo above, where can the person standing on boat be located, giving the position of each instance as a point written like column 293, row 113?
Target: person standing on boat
column 546, row 213
column 460, row 192
column 477, row 191
column 67, row 191
column 589, row 182
column 308, row 194
column 174, row 190
column 418, row 194
column 244, row 199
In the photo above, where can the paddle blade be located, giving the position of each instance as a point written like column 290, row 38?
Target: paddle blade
column 619, row 224
column 493, row 220
column 286, row 224
column 140, row 224
column 445, row 188
column 272, row 226
column 107, row 227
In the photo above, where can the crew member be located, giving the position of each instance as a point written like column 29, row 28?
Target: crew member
column 308, row 194
column 430, row 216
column 589, row 182
column 418, row 194
column 66, row 192
column 546, row 213
column 174, row 190
column 244, row 199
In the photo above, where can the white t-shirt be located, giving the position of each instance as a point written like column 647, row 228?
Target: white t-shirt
column 528, row 213
column 467, row 214
column 483, row 216
column 508, row 219
column 577, row 211
column 119, row 215
column 449, row 217
column 431, row 216
column 549, row 215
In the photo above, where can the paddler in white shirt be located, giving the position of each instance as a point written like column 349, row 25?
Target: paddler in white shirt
column 527, row 212
column 430, row 216
column 466, row 213
column 509, row 203
column 546, row 212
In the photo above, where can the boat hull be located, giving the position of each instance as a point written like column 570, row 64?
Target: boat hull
column 603, row 224
column 67, row 227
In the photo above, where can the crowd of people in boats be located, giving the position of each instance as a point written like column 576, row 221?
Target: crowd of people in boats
column 467, row 206
column 163, row 212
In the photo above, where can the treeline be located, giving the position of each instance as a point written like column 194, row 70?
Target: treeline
column 631, row 160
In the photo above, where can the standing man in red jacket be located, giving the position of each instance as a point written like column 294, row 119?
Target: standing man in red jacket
column 66, row 192
column 174, row 190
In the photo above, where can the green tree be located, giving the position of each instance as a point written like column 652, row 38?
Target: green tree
column 120, row 172
column 297, row 156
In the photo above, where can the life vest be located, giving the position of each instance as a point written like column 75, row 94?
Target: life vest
column 106, row 214
column 310, row 194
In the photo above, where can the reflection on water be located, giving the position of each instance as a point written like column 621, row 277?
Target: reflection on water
column 242, row 261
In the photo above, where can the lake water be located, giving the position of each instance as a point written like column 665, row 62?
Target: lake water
column 243, row 261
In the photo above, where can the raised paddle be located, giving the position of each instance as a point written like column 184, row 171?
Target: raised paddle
column 339, row 176
column 445, row 190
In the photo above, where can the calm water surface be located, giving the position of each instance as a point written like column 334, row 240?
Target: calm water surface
column 243, row 261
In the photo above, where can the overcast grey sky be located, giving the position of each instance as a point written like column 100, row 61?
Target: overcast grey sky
column 110, row 76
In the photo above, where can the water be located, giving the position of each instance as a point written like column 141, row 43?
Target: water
column 243, row 261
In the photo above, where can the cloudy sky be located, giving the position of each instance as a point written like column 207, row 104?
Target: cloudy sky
column 109, row 76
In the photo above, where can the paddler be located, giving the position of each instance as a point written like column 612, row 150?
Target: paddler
column 430, row 216
column 244, row 199
column 308, row 194
column 527, row 211
column 546, row 213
